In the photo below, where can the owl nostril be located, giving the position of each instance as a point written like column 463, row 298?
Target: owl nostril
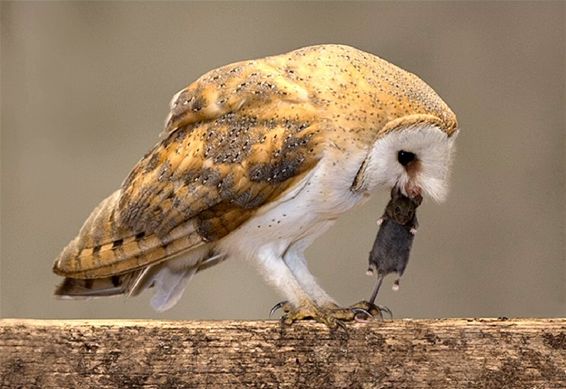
column 405, row 157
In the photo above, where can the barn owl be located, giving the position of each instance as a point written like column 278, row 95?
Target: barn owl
column 257, row 159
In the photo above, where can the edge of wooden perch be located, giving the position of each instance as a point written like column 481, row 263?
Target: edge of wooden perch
column 479, row 353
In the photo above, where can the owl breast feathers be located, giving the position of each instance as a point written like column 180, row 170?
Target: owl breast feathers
column 242, row 143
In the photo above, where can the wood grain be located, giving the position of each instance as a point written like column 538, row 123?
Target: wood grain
column 450, row 353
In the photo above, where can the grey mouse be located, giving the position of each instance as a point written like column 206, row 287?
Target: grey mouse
column 392, row 245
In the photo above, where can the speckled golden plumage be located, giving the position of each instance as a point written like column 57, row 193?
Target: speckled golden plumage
column 238, row 138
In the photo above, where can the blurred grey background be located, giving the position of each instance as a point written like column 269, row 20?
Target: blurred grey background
column 85, row 90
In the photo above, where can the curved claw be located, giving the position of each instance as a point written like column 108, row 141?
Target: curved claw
column 340, row 324
column 383, row 308
column 276, row 307
column 360, row 311
column 359, row 319
column 369, row 310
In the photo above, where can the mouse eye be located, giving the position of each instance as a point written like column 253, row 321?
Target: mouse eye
column 405, row 157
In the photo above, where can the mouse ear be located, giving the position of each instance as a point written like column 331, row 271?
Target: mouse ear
column 395, row 193
column 417, row 200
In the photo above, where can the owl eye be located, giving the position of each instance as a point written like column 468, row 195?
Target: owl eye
column 405, row 157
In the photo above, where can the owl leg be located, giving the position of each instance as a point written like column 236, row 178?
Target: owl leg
column 297, row 263
column 280, row 276
column 300, row 304
column 327, row 306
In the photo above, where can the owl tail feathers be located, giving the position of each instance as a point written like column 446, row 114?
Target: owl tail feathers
column 169, row 287
column 130, row 283
column 106, row 247
column 168, row 282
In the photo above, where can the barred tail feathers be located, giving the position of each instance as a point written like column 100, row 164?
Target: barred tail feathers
column 104, row 248
column 169, row 280
column 73, row 288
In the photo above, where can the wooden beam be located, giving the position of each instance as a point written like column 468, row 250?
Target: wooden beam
column 451, row 353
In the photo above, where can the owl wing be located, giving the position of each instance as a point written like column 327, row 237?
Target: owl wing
column 233, row 143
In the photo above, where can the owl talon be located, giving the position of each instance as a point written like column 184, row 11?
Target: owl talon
column 282, row 304
column 385, row 309
column 353, row 313
column 372, row 311
column 361, row 311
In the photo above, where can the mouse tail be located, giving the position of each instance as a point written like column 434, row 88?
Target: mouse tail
column 376, row 289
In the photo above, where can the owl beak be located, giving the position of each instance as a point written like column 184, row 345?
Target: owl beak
column 412, row 189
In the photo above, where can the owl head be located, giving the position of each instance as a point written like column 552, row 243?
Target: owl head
column 413, row 154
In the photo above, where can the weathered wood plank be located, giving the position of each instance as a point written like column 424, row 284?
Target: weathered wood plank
column 478, row 353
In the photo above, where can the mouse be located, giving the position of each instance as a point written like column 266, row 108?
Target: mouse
column 392, row 246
